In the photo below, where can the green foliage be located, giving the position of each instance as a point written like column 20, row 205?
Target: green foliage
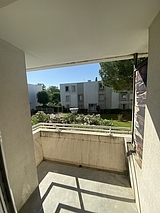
column 80, row 119
column 120, row 116
column 122, row 124
column 43, row 97
column 104, row 122
column 92, row 119
column 69, row 118
column 114, row 120
column 40, row 117
column 61, row 118
column 56, row 98
column 52, row 89
column 118, row 75
column 54, row 95
column 43, row 86
column 34, row 120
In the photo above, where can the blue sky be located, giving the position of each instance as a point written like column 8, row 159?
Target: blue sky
column 57, row 76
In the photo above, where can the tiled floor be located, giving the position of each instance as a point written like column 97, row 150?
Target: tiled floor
column 65, row 188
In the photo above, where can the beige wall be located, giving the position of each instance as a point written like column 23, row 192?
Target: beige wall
column 148, row 178
column 15, row 124
column 38, row 147
column 91, row 150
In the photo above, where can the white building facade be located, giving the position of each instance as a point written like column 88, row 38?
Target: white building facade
column 87, row 95
column 32, row 92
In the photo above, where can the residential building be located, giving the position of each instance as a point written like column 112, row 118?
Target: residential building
column 87, row 95
column 32, row 91
column 126, row 100
column 38, row 35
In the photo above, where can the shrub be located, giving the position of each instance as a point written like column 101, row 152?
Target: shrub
column 40, row 117
column 69, row 118
column 104, row 122
column 34, row 120
column 120, row 117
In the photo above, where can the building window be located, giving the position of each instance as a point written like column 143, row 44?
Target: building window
column 67, row 98
column 80, row 97
column 67, row 88
column 101, row 87
column 67, row 106
column 131, row 96
column 73, row 88
column 101, row 97
column 124, row 96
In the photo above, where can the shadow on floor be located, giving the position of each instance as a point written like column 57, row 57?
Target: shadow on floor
column 82, row 172
column 66, row 188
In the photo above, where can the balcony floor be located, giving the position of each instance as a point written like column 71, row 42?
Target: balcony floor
column 65, row 188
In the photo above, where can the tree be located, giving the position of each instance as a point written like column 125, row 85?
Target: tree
column 43, row 86
column 118, row 75
column 56, row 98
column 53, row 89
column 54, row 94
column 43, row 97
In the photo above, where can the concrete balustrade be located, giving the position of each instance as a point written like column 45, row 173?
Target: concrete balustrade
column 94, row 149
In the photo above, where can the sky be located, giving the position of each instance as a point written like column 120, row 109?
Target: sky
column 57, row 76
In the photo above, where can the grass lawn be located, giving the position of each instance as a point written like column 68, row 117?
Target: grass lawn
column 113, row 117
column 122, row 124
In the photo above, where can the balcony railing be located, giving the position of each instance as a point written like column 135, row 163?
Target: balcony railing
column 78, row 127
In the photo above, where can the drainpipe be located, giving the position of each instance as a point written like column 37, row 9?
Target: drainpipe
column 135, row 56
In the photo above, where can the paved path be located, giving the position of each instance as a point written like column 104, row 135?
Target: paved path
column 65, row 188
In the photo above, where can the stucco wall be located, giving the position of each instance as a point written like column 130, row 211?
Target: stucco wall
column 15, row 123
column 32, row 91
column 73, row 96
column 108, row 100
column 148, row 178
column 38, row 147
column 80, row 91
column 73, row 99
column 88, row 149
column 62, row 92
column 90, row 93
column 115, row 100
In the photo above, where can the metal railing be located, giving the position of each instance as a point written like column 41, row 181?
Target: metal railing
column 78, row 127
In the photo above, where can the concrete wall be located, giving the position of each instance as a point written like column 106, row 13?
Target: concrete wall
column 38, row 147
column 15, row 123
column 88, row 149
column 148, row 177
column 32, row 91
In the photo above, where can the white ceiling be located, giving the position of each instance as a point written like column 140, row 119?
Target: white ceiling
column 56, row 33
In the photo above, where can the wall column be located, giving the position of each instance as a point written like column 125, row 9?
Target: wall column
column 15, row 124
column 148, row 175
column 151, row 154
